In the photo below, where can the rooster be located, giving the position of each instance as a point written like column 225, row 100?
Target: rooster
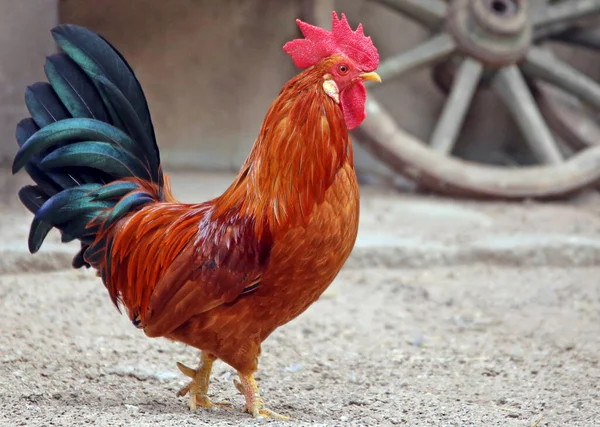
column 220, row 275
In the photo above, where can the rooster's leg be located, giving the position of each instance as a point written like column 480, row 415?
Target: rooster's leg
column 198, row 387
column 254, row 403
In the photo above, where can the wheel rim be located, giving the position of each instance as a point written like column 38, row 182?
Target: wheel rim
column 496, row 43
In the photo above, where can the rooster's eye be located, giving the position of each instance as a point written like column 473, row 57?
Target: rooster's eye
column 343, row 69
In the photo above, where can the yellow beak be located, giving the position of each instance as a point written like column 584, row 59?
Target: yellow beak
column 372, row 76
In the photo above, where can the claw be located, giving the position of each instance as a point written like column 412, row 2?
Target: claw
column 184, row 390
column 267, row 413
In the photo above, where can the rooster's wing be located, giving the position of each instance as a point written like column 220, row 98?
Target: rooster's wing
column 225, row 261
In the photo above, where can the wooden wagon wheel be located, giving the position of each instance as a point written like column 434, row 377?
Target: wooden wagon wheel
column 573, row 120
column 493, row 42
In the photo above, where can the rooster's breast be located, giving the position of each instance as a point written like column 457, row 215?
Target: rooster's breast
column 306, row 259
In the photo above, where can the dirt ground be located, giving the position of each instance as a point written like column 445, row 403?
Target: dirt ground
column 466, row 341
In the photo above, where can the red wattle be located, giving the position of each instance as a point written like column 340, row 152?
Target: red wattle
column 353, row 100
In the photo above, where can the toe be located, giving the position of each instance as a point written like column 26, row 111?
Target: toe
column 267, row 413
column 204, row 402
column 224, row 405
column 188, row 372
column 239, row 386
column 184, row 390
column 192, row 403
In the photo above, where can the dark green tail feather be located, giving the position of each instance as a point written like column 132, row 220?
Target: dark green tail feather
column 90, row 127
column 112, row 191
column 102, row 156
column 68, row 204
column 78, row 229
column 126, row 204
column 44, row 105
column 46, row 109
column 48, row 182
column 69, row 130
column 32, row 197
column 74, row 88
column 90, row 52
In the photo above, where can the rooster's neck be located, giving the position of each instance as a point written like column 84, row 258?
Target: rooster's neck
column 301, row 146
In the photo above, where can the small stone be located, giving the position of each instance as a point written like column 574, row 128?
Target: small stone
column 295, row 367
column 165, row 375
column 418, row 340
column 226, row 376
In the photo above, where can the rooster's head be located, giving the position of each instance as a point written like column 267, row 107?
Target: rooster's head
column 344, row 57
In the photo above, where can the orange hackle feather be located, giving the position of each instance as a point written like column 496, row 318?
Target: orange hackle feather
column 302, row 144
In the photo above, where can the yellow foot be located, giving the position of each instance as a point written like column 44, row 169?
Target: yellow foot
column 198, row 387
column 254, row 403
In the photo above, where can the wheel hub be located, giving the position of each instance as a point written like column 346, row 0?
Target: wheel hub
column 497, row 32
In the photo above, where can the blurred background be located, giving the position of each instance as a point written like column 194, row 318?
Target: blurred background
column 211, row 69
column 450, row 311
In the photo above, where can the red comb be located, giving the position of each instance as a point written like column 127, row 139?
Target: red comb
column 319, row 43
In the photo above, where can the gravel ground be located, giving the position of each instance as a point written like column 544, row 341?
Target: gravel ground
column 475, row 341
column 447, row 346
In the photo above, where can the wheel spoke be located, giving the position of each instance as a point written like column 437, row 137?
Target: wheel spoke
column 566, row 11
column 584, row 37
column 430, row 13
column 450, row 122
column 545, row 66
column 432, row 50
column 510, row 85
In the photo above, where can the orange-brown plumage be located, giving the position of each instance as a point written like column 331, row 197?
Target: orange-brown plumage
column 224, row 274
column 286, row 182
